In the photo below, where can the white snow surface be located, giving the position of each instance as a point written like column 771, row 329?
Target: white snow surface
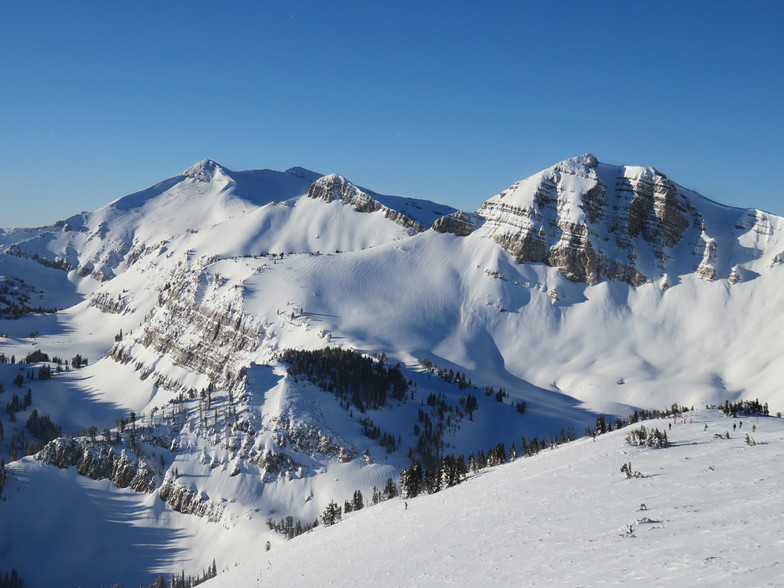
column 704, row 513
column 213, row 273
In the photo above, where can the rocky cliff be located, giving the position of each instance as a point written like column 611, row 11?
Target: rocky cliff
column 196, row 327
column 335, row 187
column 189, row 501
column 100, row 461
column 459, row 223
column 596, row 222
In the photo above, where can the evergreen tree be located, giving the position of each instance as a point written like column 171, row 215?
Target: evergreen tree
column 497, row 455
column 431, row 482
column 11, row 580
column 332, row 514
column 351, row 376
column 376, row 497
column 358, row 502
column 43, row 427
column 411, row 481
column 449, row 474
column 390, row 489
column 471, row 404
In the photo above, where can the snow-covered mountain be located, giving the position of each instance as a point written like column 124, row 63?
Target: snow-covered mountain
column 594, row 221
column 204, row 304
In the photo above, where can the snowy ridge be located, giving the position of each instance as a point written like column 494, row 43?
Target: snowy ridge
column 416, row 215
column 586, row 289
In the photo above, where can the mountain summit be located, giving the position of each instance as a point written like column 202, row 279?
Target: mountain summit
column 223, row 357
column 204, row 171
column 631, row 224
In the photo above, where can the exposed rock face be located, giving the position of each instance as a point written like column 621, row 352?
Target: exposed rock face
column 598, row 222
column 53, row 262
column 336, row 187
column 459, row 223
column 189, row 501
column 107, row 304
column 292, row 446
column 210, row 336
column 707, row 267
column 100, row 462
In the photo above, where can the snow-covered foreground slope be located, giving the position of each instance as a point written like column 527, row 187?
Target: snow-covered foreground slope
column 704, row 513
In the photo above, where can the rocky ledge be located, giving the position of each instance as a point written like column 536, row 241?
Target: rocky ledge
column 596, row 222
column 336, row 187
column 100, row 461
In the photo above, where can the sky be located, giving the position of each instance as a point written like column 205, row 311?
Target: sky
column 449, row 101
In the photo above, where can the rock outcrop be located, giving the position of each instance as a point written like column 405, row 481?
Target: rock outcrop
column 108, row 304
column 211, row 336
column 459, row 223
column 335, row 187
column 596, row 222
column 100, row 462
column 189, row 501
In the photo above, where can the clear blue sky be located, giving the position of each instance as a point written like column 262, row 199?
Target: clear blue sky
column 450, row 101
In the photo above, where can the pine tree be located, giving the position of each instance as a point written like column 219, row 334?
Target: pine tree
column 332, row 514
column 358, row 502
column 390, row 489
column 11, row 580
column 431, row 482
column 411, row 481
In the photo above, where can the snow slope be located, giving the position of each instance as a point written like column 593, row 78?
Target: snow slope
column 566, row 517
column 183, row 297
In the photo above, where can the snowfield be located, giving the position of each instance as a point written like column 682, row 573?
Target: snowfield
column 153, row 333
column 706, row 512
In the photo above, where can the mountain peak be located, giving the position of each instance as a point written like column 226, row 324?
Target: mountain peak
column 336, row 187
column 204, row 171
column 578, row 165
column 586, row 159
column 594, row 222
